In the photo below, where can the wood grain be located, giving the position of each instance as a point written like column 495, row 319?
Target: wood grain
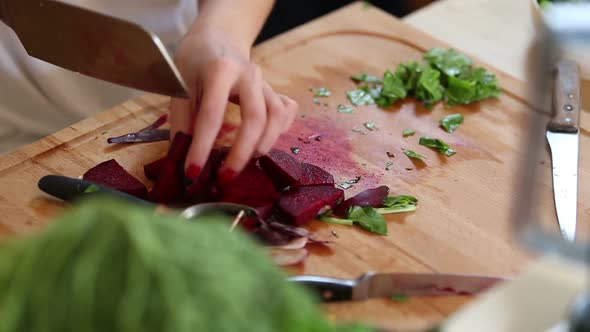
column 462, row 224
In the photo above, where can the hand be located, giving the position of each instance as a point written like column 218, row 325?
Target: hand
column 217, row 68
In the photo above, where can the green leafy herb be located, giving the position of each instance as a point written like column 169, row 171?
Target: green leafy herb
column 452, row 122
column 338, row 221
column 437, row 144
column 316, row 101
column 471, row 86
column 345, row 185
column 370, row 125
column 295, row 150
column 393, row 90
column 360, row 97
column 448, row 61
column 409, row 73
column 368, row 218
column 364, row 77
column 429, row 88
column 345, row 109
column 321, row 92
column 400, row 298
column 408, row 132
column 92, row 189
column 413, row 155
column 398, row 204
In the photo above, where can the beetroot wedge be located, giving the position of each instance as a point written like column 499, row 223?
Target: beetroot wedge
column 312, row 175
column 251, row 187
column 113, row 175
column 152, row 170
column 282, row 168
column 201, row 189
column 300, row 205
column 170, row 184
column 371, row 197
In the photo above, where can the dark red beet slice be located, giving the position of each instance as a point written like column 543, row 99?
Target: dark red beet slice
column 170, row 184
column 153, row 169
column 312, row 175
column 371, row 197
column 282, row 168
column 200, row 189
column 301, row 205
column 113, row 175
column 251, row 187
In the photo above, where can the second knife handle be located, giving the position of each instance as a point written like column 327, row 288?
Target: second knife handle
column 566, row 98
column 329, row 289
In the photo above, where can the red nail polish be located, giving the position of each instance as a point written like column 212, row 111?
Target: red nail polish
column 193, row 171
column 226, row 176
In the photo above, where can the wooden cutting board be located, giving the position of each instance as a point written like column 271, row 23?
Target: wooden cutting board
column 462, row 223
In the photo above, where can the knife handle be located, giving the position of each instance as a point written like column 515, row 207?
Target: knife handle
column 71, row 190
column 566, row 98
column 329, row 289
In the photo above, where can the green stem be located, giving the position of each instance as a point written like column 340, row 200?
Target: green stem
column 337, row 221
column 409, row 208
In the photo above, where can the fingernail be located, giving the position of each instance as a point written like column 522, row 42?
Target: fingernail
column 193, row 171
column 226, row 176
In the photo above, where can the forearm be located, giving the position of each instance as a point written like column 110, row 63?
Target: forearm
column 242, row 19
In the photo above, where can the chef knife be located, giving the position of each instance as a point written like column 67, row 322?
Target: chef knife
column 563, row 136
column 93, row 44
column 387, row 285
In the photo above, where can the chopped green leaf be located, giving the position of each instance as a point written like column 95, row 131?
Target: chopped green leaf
column 359, row 131
column 400, row 298
column 345, row 185
column 370, row 125
column 345, row 109
column 437, row 144
column 338, row 221
column 92, row 189
column 364, row 77
column 471, row 86
column 295, row 150
column 360, row 97
column 400, row 200
column 448, row 61
column 409, row 73
column 429, row 88
column 316, row 101
column 452, row 122
column 393, row 87
column 321, row 92
column 368, row 218
column 413, row 155
column 408, row 132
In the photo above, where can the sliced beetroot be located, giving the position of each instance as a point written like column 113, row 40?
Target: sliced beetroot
column 251, row 187
column 153, row 169
column 113, row 175
column 301, row 205
column 201, row 189
column 170, row 184
column 282, row 168
column 371, row 197
column 312, row 175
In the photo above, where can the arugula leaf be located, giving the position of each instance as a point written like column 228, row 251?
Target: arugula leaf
column 429, row 88
column 437, row 144
column 452, row 122
column 448, row 61
column 338, row 221
column 400, row 298
column 399, row 200
column 360, row 97
column 368, row 218
column 92, row 189
column 413, row 155
column 408, row 133
column 393, row 87
column 409, row 73
column 471, row 86
column 364, row 77
column 321, row 92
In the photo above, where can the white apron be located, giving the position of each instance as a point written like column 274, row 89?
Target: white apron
column 37, row 99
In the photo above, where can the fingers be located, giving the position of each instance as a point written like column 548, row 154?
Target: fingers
column 254, row 118
column 216, row 88
column 281, row 114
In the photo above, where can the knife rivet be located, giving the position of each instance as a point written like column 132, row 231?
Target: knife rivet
column 327, row 295
column 568, row 120
column 570, row 96
column 568, row 107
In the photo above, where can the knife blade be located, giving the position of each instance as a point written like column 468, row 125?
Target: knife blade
column 93, row 44
column 563, row 137
column 386, row 285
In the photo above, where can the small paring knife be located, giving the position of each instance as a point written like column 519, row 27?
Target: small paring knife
column 388, row 285
column 563, row 136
